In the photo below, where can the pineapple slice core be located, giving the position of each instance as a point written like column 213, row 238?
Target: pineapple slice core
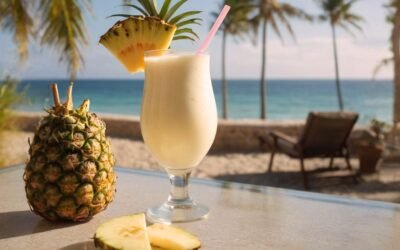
column 171, row 238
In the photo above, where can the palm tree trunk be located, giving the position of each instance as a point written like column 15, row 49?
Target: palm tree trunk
column 338, row 90
column 263, row 114
column 396, row 55
column 224, row 83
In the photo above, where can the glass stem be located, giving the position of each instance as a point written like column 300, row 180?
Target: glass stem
column 179, row 188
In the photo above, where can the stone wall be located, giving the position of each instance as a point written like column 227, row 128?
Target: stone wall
column 232, row 135
column 244, row 135
column 117, row 126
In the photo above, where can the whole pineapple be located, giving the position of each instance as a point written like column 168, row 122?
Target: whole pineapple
column 70, row 174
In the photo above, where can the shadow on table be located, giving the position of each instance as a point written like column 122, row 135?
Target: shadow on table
column 21, row 223
column 318, row 178
column 86, row 245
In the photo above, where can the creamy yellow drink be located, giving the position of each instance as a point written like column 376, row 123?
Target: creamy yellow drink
column 179, row 116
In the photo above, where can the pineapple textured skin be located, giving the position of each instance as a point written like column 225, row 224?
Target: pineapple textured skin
column 69, row 175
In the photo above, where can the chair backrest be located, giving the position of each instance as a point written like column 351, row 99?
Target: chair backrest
column 326, row 133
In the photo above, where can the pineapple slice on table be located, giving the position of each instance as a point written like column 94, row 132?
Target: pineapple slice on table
column 130, row 233
column 172, row 238
column 126, row 232
column 155, row 29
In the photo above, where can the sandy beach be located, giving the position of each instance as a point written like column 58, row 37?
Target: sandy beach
column 247, row 168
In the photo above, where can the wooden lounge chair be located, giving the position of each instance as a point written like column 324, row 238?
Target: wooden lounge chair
column 325, row 135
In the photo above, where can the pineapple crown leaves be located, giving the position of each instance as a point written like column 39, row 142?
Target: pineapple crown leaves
column 167, row 13
column 64, row 108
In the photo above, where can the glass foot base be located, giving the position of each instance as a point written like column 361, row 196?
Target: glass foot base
column 169, row 213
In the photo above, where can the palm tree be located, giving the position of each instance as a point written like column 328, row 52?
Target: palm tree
column 16, row 18
column 393, row 18
column 338, row 13
column 60, row 25
column 236, row 24
column 273, row 12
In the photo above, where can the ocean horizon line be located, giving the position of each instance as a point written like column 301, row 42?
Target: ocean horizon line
column 286, row 99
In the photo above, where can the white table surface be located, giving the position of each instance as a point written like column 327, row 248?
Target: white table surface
column 242, row 216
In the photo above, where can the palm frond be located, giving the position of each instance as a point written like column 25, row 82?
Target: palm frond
column 355, row 25
column 353, row 20
column 16, row 18
column 10, row 97
column 64, row 29
column 339, row 12
column 275, row 27
column 215, row 15
column 273, row 11
column 345, row 26
column 254, row 24
column 238, row 21
column 383, row 63
column 286, row 23
column 292, row 11
column 322, row 18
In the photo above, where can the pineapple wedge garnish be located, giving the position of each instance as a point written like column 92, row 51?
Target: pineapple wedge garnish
column 154, row 29
column 172, row 238
column 126, row 232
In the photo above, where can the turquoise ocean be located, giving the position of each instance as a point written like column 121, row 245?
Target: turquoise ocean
column 286, row 99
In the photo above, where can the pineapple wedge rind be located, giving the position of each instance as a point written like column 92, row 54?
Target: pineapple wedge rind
column 172, row 238
column 125, row 233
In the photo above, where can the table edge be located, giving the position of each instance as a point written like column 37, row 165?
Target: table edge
column 307, row 195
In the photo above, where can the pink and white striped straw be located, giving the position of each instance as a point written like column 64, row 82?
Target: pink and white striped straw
column 214, row 29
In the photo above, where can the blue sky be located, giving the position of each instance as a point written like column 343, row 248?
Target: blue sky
column 310, row 57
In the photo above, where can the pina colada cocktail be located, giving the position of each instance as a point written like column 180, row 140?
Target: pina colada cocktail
column 178, row 123
column 179, row 117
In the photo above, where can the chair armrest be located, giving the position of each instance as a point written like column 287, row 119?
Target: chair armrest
column 281, row 136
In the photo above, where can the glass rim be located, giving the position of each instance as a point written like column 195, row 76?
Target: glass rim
column 164, row 52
